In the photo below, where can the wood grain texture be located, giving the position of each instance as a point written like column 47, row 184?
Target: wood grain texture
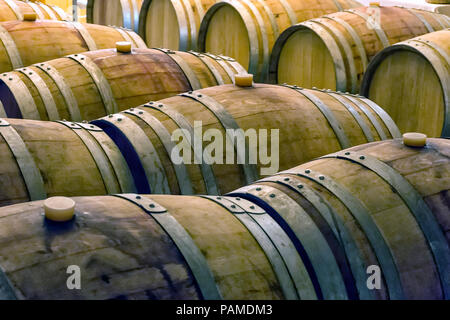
column 19, row 8
column 410, row 81
column 41, row 41
column 341, row 45
column 117, row 13
column 123, row 253
column 133, row 79
column 172, row 24
column 426, row 170
column 304, row 132
column 253, row 27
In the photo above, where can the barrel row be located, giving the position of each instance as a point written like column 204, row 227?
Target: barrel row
column 174, row 25
column 114, row 12
column 334, row 51
column 311, row 232
column 410, row 81
column 15, row 10
column 253, row 27
column 94, row 84
column 133, row 151
column 23, row 43
column 371, row 205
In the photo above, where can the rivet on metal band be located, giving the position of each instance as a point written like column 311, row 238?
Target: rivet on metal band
column 316, row 247
column 100, row 81
column 23, row 97
column 185, row 68
column 328, row 114
column 362, row 124
column 210, row 66
column 148, row 156
column 207, row 171
column 100, row 158
column 25, row 161
column 44, row 92
column 364, row 219
column 114, row 155
column 183, row 179
column 228, row 122
column 424, row 216
column 64, row 89
column 191, row 253
column 340, row 230
column 263, row 237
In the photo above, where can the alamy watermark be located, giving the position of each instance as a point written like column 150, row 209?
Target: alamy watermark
column 235, row 146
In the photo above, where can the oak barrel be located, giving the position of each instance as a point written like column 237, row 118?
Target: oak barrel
column 172, row 24
column 121, row 13
column 23, row 43
column 410, row 80
column 311, row 123
column 246, row 30
column 311, row 232
column 381, row 205
column 43, row 159
column 333, row 51
column 14, row 10
column 94, row 84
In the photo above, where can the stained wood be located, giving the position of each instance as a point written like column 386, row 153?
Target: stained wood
column 304, row 132
column 409, row 81
column 35, row 45
column 253, row 27
column 133, row 79
column 425, row 169
column 172, row 24
column 124, row 253
column 7, row 13
column 341, row 45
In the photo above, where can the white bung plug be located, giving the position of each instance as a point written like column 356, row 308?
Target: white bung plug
column 414, row 139
column 59, row 209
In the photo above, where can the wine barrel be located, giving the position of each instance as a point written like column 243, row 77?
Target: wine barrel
column 96, row 83
column 28, row 42
column 380, row 205
column 41, row 159
column 172, row 24
column 148, row 247
column 252, row 26
column 14, row 10
column 311, row 123
column 410, row 81
column 333, row 51
column 416, row 4
column 308, row 233
column 121, row 13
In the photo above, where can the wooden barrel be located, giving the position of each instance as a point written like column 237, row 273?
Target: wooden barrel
column 380, row 205
column 252, row 26
column 313, row 232
column 121, row 13
column 97, row 83
column 14, row 10
column 23, row 43
column 333, row 51
column 410, row 81
column 310, row 123
column 172, row 24
column 43, row 159
column 179, row 248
